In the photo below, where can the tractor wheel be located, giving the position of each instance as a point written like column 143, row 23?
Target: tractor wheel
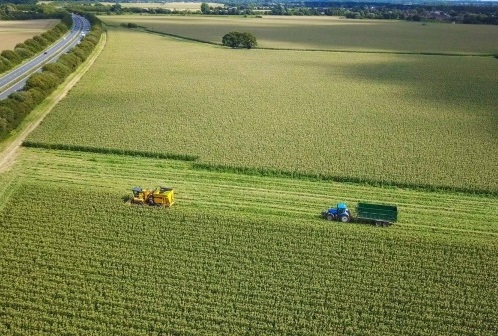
column 345, row 218
column 330, row 217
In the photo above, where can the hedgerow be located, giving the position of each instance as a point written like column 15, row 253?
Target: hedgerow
column 103, row 150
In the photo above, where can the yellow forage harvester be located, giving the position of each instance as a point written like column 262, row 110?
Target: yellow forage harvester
column 161, row 196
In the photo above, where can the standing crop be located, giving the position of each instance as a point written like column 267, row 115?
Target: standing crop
column 406, row 120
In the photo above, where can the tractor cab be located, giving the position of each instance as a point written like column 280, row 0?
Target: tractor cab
column 339, row 212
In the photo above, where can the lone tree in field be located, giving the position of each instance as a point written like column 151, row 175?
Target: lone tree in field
column 239, row 40
column 205, row 8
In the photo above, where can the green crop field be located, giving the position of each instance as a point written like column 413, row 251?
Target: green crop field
column 380, row 118
column 14, row 32
column 328, row 33
column 261, row 140
column 236, row 255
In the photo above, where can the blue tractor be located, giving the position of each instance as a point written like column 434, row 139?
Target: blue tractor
column 340, row 213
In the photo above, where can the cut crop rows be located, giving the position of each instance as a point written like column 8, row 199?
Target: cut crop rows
column 259, row 196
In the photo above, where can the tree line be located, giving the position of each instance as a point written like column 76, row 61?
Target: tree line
column 476, row 13
column 19, row 104
column 458, row 13
column 32, row 46
column 33, row 12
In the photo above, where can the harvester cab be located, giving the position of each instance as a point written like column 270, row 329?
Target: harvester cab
column 140, row 196
column 339, row 212
column 162, row 196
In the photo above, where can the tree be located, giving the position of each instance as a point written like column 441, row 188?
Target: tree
column 248, row 40
column 116, row 8
column 45, row 81
column 231, row 40
column 24, row 53
column 59, row 69
column 41, row 41
column 205, row 8
column 11, row 56
column 237, row 40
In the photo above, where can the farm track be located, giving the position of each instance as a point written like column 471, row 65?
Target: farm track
column 9, row 153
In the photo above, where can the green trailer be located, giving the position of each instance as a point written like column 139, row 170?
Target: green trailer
column 379, row 214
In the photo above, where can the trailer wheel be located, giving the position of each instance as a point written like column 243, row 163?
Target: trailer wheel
column 330, row 217
column 345, row 218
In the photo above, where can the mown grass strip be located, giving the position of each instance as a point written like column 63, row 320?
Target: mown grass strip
column 337, row 178
column 268, row 172
column 258, row 171
column 468, row 216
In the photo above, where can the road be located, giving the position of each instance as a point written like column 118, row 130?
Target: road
column 16, row 79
